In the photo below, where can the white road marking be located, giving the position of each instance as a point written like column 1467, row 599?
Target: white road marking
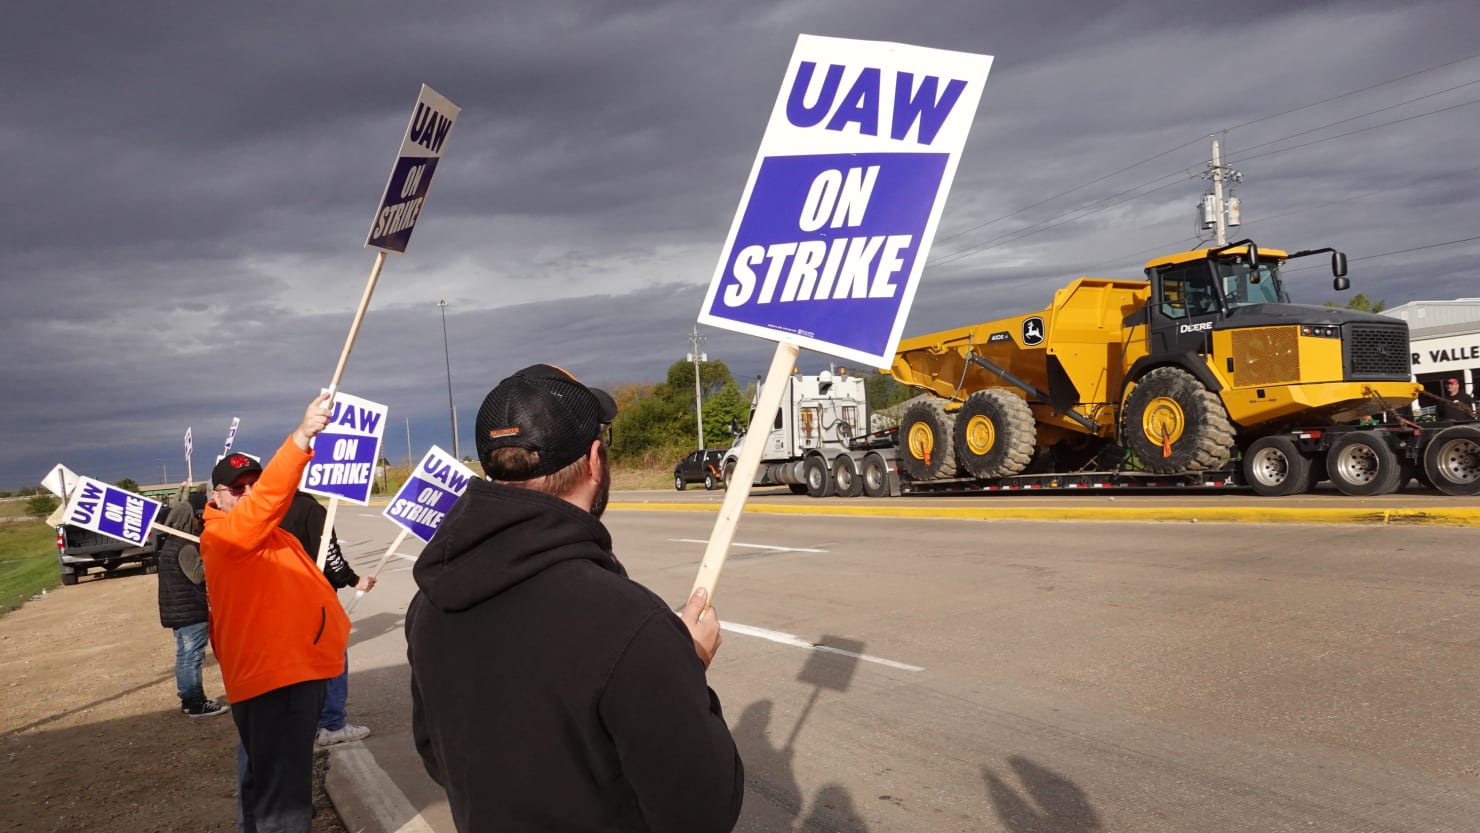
column 798, row 642
column 747, row 546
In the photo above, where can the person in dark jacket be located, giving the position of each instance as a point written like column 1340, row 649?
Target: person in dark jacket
column 549, row 690
column 305, row 519
column 182, row 607
column 1455, row 404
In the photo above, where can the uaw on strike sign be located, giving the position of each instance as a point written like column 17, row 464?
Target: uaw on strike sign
column 411, row 176
column 428, row 494
column 111, row 511
column 845, row 195
column 345, row 452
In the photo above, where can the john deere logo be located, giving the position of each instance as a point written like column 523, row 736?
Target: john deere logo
column 1033, row 331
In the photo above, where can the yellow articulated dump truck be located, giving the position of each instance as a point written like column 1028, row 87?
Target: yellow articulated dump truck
column 1205, row 371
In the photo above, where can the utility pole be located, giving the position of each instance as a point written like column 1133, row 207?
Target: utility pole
column 1217, row 212
column 695, row 356
column 447, row 356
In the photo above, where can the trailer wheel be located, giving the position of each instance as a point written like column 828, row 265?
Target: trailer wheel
column 994, row 434
column 928, row 448
column 875, row 476
column 1362, row 465
column 1274, row 467
column 846, row 481
column 819, row 479
column 1174, row 424
column 1452, row 460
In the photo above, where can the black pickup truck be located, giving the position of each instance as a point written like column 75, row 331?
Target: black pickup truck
column 79, row 550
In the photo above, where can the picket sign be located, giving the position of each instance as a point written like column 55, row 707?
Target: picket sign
column 737, row 488
column 837, row 217
column 327, row 534
column 379, row 565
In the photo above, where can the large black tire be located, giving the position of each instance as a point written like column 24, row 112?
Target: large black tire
column 875, row 476
column 1173, row 424
column 710, row 481
column 819, row 479
column 994, row 434
column 1274, row 467
column 846, row 480
column 927, row 449
column 1361, row 464
column 678, row 482
column 1452, row 460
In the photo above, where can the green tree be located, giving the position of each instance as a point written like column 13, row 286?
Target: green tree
column 42, row 505
column 1359, row 303
column 885, row 391
column 127, row 484
column 721, row 407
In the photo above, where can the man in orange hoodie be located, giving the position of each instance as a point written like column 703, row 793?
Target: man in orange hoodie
column 277, row 628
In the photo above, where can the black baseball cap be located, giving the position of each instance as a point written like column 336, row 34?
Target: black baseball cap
column 232, row 466
column 545, row 410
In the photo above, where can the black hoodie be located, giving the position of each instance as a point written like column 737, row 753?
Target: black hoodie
column 551, row 692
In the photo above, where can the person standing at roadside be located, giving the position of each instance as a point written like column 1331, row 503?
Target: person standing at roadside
column 305, row 519
column 183, row 608
column 278, row 630
column 1456, row 405
column 549, row 691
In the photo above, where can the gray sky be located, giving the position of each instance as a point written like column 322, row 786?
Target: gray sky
column 191, row 186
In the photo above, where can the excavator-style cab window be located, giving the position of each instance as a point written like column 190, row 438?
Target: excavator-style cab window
column 1242, row 286
column 1186, row 290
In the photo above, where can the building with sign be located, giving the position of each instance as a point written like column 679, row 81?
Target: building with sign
column 1445, row 339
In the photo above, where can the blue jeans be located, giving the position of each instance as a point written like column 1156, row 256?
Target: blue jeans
column 190, row 651
column 333, row 717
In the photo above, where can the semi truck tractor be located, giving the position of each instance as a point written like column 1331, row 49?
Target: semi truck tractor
column 1204, row 366
column 808, row 447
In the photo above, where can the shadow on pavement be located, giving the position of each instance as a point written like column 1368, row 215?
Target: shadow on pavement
column 1048, row 803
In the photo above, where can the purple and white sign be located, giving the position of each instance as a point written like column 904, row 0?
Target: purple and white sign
column 230, row 436
column 428, row 495
column 845, row 195
column 111, row 511
column 411, row 176
column 345, row 453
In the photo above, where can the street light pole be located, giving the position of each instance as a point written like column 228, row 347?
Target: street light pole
column 447, row 355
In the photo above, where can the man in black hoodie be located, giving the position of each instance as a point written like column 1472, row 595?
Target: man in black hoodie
column 549, row 691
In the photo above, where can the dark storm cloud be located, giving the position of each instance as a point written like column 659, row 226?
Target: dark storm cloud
column 190, row 186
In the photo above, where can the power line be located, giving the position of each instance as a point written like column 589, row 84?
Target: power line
column 1396, row 252
column 1065, row 217
column 1355, row 92
column 1360, row 130
column 1360, row 116
column 1068, row 192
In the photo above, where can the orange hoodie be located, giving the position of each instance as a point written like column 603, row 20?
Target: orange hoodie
column 275, row 620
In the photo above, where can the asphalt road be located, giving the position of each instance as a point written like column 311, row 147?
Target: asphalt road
column 1005, row 675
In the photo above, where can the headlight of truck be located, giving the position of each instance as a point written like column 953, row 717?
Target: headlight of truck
column 1321, row 330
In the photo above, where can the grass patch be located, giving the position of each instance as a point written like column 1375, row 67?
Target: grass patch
column 628, row 478
column 28, row 563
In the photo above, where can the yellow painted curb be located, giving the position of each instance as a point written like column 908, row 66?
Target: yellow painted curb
column 1203, row 514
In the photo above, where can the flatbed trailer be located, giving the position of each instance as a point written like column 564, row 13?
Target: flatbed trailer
column 1362, row 459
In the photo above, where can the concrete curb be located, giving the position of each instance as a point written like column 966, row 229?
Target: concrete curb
column 367, row 799
column 1202, row 514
